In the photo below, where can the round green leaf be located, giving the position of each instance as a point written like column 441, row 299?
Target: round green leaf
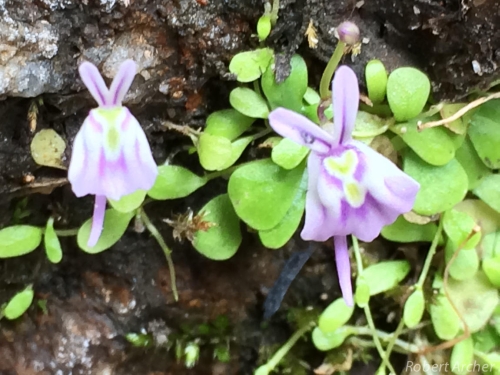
column 458, row 126
column 325, row 342
column 486, row 217
column 475, row 299
column 115, row 225
column 214, row 151
column 279, row 235
column 444, row 319
column 335, row 316
column 19, row 304
column 262, row 192
column 491, row 268
column 404, row 231
column 465, row 264
column 472, row 164
column 248, row 102
column 290, row 92
column 369, row 126
column 434, row 145
column 441, row 187
column 249, row 66
column 484, row 132
column 414, row 308
column 288, row 154
column 489, row 191
column 19, row 240
column 462, row 357
column 311, row 96
column 130, row 202
column 384, row 276
column 237, row 148
column 47, row 148
column 222, row 239
column 175, row 182
column 458, row 226
column 51, row 242
column 407, row 92
column 228, row 123
column 263, row 27
column 362, row 294
column 376, row 81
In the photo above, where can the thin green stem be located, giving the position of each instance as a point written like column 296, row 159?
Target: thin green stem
column 152, row 229
column 391, row 343
column 274, row 12
column 430, row 255
column 66, row 232
column 280, row 354
column 367, row 311
column 326, row 78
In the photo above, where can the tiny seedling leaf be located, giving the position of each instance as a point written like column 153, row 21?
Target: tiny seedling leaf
column 51, row 242
column 19, row 240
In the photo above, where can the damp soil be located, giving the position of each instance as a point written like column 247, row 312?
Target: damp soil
column 86, row 305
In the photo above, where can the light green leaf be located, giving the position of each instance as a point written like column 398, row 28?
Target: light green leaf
column 491, row 268
column 441, row 187
column 262, row 192
column 214, row 151
column 325, row 342
column 19, row 304
column 384, row 276
column 489, row 191
column 175, row 182
column 248, row 102
column 466, row 263
column 237, row 148
column 369, row 126
column 458, row 126
column 458, row 226
column 288, row 154
column 289, row 93
column 249, row 66
column 407, row 92
column 264, row 27
column 279, row 235
column 475, row 299
column 444, row 319
column 376, row 81
column 462, row 357
column 228, row 123
column 335, row 316
column 484, row 132
column 222, row 239
column 19, row 240
column 52, row 245
column 129, row 203
column 486, row 217
column 115, row 225
column 414, row 308
column 434, row 145
column 404, row 231
column 472, row 164
column 312, row 97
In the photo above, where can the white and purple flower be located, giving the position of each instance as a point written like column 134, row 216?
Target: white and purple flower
column 111, row 156
column 352, row 189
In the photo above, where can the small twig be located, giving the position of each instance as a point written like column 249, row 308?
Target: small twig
column 459, row 113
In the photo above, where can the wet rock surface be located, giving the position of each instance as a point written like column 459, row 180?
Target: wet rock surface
column 182, row 48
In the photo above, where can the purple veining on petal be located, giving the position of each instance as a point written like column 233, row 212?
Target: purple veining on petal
column 345, row 96
column 95, row 83
column 343, row 268
column 96, row 125
column 126, row 121
column 97, row 220
column 122, row 81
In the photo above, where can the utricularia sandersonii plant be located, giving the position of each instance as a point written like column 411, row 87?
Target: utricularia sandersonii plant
column 352, row 189
column 111, row 155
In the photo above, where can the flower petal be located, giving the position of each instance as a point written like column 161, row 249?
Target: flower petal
column 97, row 220
column 345, row 96
column 95, row 83
column 300, row 129
column 343, row 268
column 121, row 83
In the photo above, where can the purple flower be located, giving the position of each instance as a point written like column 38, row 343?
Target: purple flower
column 352, row 189
column 111, row 155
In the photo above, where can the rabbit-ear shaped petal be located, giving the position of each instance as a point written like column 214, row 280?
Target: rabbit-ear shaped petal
column 95, row 83
column 121, row 83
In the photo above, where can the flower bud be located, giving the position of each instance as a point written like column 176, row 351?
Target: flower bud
column 348, row 33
